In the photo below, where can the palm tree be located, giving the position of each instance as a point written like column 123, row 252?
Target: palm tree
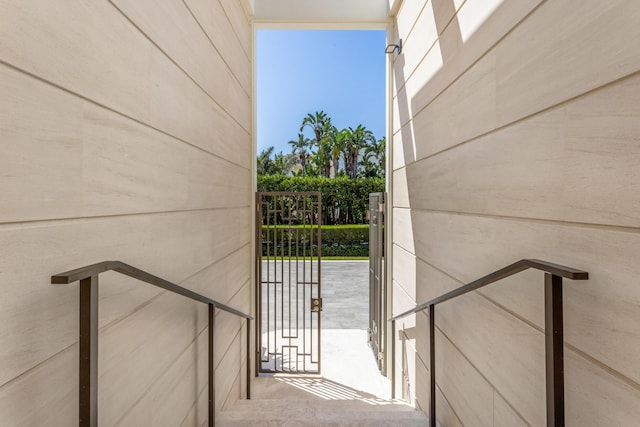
column 301, row 148
column 353, row 141
column 265, row 165
column 322, row 158
column 284, row 163
column 376, row 149
column 345, row 138
column 334, row 147
column 319, row 124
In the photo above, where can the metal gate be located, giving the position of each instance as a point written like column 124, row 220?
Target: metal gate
column 288, row 302
column 377, row 280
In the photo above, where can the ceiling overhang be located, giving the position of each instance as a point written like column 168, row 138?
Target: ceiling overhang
column 322, row 11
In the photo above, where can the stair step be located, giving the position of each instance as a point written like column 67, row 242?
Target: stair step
column 339, row 405
column 296, row 412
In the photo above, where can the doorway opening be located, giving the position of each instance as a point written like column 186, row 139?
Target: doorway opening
column 321, row 125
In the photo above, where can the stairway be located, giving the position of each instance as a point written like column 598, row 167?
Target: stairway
column 315, row 401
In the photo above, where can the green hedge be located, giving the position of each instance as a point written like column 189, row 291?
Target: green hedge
column 346, row 251
column 344, row 200
column 341, row 240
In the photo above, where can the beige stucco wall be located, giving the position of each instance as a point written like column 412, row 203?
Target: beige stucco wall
column 516, row 135
column 124, row 134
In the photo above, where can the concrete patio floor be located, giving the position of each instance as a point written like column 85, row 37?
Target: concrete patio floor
column 346, row 357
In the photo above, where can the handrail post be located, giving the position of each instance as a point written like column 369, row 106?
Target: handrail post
column 248, row 358
column 212, row 376
column 432, row 365
column 88, row 369
column 554, row 349
column 88, row 331
column 393, row 359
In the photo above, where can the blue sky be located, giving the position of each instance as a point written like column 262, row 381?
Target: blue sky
column 302, row 71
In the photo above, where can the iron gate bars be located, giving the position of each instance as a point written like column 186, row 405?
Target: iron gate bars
column 288, row 303
column 377, row 281
column 554, row 334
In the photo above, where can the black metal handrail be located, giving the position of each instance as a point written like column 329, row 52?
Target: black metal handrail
column 554, row 335
column 88, row 372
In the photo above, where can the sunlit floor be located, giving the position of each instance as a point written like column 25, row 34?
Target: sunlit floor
column 348, row 360
column 346, row 357
column 348, row 368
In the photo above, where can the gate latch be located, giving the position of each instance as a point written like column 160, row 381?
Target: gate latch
column 316, row 305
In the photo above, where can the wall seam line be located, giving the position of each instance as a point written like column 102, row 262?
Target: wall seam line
column 137, row 309
column 495, row 389
column 453, row 411
column 233, row 28
column 487, row 298
column 224, row 355
column 120, row 113
column 548, row 221
column 466, row 70
column 202, row 390
column 613, row 372
column 410, row 32
column 37, row 365
column 170, row 58
column 524, row 119
column 173, row 362
column 119, row 319
column 404, row 249
column 438, row 36
column 193, row 15
column 238, row 379
column 81, row 219
column 146, row 392
column 141, row 306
